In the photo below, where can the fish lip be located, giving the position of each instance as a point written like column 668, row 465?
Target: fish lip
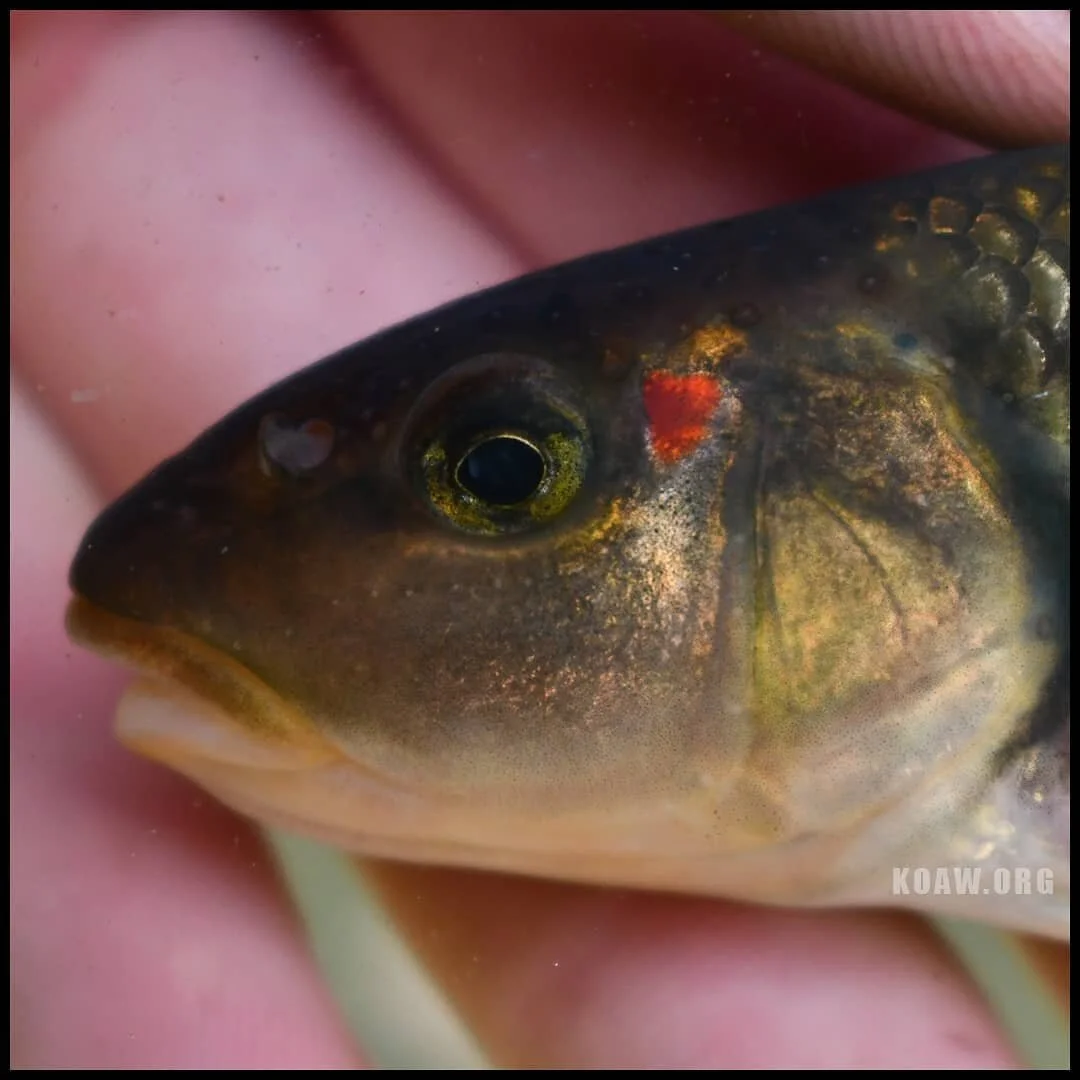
column 173, row 656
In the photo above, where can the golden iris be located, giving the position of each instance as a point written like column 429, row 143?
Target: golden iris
column 505, row 480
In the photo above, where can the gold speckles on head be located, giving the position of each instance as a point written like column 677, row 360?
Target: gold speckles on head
column 715, row 344
column 702, row 352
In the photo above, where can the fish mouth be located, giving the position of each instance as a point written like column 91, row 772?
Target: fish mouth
column 201, row 713
column 243, row 720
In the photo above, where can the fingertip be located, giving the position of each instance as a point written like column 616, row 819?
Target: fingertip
column 998, row 77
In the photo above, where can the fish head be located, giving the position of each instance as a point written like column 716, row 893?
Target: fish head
column 606, row 576
column 418, row 590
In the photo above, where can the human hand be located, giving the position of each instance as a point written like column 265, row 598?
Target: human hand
column 204, row 202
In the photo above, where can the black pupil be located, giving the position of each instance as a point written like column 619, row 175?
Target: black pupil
column 502, row 471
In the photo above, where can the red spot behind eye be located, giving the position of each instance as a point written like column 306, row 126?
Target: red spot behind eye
column 679, row 408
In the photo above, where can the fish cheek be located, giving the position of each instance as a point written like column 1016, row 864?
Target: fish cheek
column 524, row 679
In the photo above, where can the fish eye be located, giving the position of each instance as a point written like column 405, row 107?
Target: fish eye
column 499, row 447
column 503, row 469
column 504, row 481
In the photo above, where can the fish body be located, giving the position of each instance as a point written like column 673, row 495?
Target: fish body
column 731, row 562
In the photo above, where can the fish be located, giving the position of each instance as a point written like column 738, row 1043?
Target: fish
column 732, row 562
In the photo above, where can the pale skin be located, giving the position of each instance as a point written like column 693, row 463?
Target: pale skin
column 202, row 203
